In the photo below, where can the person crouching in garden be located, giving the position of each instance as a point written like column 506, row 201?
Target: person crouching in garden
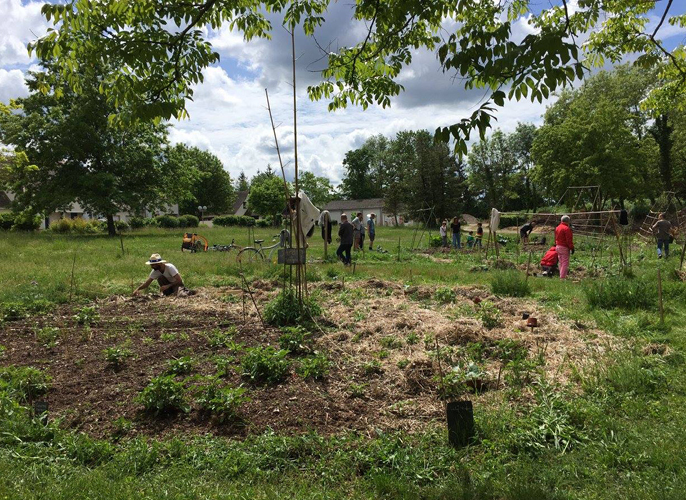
column 167, row 277
column 345, row 232
column 564, row 245
column 549, row 262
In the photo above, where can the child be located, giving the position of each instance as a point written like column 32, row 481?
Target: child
column 479, row 234
column 549, row 262
column 443, row 231
column 470, row 239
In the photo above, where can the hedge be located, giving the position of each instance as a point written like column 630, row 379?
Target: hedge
column 188, row 221
column 167, row 221
column 233, row 220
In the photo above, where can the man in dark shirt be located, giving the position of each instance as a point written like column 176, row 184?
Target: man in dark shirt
column 525, row 231
column 455, row 226
column 345, row 232
column 662, row 230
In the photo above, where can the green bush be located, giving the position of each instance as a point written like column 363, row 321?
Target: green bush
column 263, row 223
column 26, row 222
column 286, row 310
column 189, row 221
column 435, row 242
column 314, row 367
column 61, row 226
column 167, row 221
column 222, row 402
column 621, row 293
column 489, row 315
column 180, row 366
column 233, row 220
column 6, row 221
column 76, row 226
column 87, row 315
column 295, row 339
column 265, row 365
column 164, row 395
column 121, row 225
column 444, row 295
column 639, row 212
column 137, row 222
column 510, row 284
column 23, row 383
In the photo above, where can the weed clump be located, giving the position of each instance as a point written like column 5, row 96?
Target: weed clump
column 23, row 383
column 489, row 315
column 265, row 365
column 620, row 293
column 286, row 310
column 180, row 366
column 221, row 402
column 444, row 295
column 295, row 339
column 314, row 367
column 116, row 356
column 164, row 395
column 510, row 284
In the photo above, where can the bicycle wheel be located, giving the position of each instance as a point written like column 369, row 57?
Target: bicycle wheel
column 249, row 255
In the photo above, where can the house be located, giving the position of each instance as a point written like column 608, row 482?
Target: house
column 240, row 206
column 371, row 205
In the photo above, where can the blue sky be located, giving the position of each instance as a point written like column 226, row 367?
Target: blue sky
column 229, row 117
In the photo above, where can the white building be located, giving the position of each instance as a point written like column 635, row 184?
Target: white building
column 372, row 205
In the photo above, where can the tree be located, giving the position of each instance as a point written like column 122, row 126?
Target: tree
column 596, row 136
column 479, row 49
column 211, row 185
column 364, row 167
column 81, row 157
column 318, row 189
column 267, row 196
column 493, row 172
column 242, row 184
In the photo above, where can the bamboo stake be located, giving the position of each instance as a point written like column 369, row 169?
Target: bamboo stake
column 399, row 250
column 659, row 294
column 245, row 282
column 121, row 240
column 683, row 251
column 71, row 286
column 528, row 263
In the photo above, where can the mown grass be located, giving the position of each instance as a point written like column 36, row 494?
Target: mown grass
column 615, row 432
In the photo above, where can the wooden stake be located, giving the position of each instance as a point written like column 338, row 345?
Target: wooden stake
column 438, row 357
column 683, row 251
column 71, row 286
column 659, row 294
column 121, row 240
column 326, row 236
column 528, row 263
column 399, row 250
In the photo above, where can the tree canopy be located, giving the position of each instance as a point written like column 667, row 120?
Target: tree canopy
column 162, row 49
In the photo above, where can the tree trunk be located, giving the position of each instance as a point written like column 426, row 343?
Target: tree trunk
column 662, row 133
column 111, row 229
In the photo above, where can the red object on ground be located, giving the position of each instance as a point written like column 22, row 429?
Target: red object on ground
column 550, row 257
column 563, row 236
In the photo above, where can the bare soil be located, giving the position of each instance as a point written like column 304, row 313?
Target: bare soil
column 381, row 337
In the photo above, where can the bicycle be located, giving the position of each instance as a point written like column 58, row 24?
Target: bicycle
column 249, row 255
column 225, row 248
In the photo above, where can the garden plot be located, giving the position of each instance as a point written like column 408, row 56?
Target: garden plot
column 377, row 359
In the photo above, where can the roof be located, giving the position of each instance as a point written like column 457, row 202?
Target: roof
column 4, row 200
column 354, row 204
column 241, row 197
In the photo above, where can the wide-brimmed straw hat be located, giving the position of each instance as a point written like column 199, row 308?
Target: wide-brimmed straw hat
column 156, row 259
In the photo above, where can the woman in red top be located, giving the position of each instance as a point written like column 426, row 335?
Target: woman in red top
column 549, row 262
column 564, row 245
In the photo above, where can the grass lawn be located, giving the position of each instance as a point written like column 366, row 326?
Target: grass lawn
column 612, row 427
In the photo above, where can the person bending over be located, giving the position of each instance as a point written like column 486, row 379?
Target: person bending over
column 166, row 274
column 525, row 231
column 549, row 262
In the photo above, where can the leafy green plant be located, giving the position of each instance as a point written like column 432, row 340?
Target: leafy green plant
column 164, row 395
column 357, row 390
column 372, row 367
column 48, row 336
column 489, row 314
column 295, row 339
column 519, row 372
column 3, row 349
column 475, row 351
column 265, row 365
column 412, row 339
column 87, row 315
column 435, row 241
column 286, row 310
column 511, row 284
column 222, row 402
column 224, row 365
column 122, row 426
column 23, row 383
column 314, row 367
column 620, row 293
column 180, row 366
column 220, row 338
column 460, row 379
column 391, row 342
column 403, row 363
column 510, row 350
column 444, row 295
column 117, row 355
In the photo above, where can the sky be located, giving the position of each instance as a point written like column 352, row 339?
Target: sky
column 228, row 115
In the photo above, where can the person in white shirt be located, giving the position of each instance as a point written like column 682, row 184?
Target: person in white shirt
column 166, row 275
column 443, row 231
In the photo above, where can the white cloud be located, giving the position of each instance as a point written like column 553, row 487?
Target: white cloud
column 20, row 23
column 12, row 85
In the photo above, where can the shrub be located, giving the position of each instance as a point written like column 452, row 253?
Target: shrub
column 26, row 222
column 23, row 383
column 233, row 220
column 121, row 225
column 489, row 315
column 391, row 342
column 6, row 221
column 222, row 402
column 435, row 242
column 164, row 395
column 87, row 315
column 265, row 365
column 460, row 379
column 48, row 336
column 295, row 339
column 61, row 226
column 137, row 222
column 639, row 212
column 218, row 338
column 221, row 220
column 180, row 366
column 372, row 367
column 315, row 367
column 510, row 284
column 189, row 221
column 285, row 309
column 444, row 295
column 263, row 223
column 167, row 221
column 620, row 293
column 116, row 356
